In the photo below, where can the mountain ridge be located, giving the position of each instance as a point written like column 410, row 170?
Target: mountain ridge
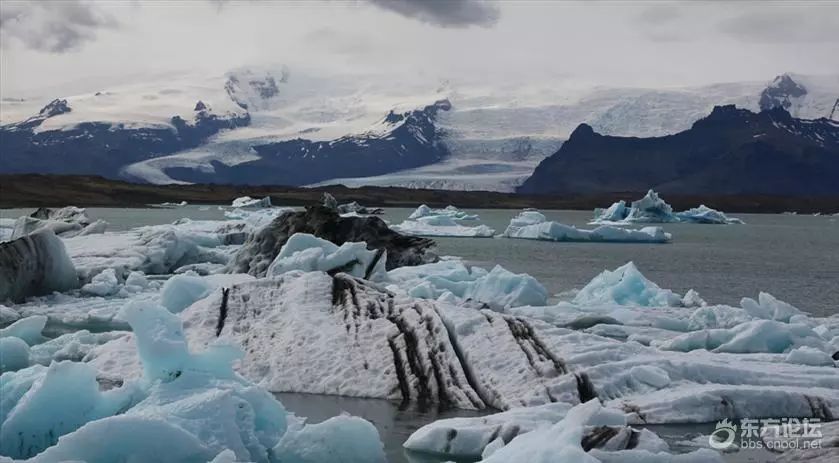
column 731, row 151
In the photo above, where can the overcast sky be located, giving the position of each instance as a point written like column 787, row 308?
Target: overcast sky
column 54, row 43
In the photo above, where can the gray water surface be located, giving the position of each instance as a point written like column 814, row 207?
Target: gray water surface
column 793, row 257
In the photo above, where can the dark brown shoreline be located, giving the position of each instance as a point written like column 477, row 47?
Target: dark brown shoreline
column 34, row 190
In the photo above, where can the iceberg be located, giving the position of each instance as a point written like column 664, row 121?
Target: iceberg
column 191, row 405
column 805, row 355
column 262, row 247
column 534, row 226
column 247, row 201
column 448, row 211
column 468, row 437
column 35, row 264
column 652, row 209
column 704, row 214
column 158, row 249
column 748, row 337
column 590, row 433
column 339, row 439
column 309, row 253
column 425, row 221
column 65, row 222
column 27, row 329
column 498, row 288
column 14, row 354
column 626, row 285
column 441, row 225
column 104, row 283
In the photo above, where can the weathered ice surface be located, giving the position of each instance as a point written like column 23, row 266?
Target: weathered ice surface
column 342, row 335
column 65, row 222
column 35, row 264
column 262, row 247
column 339, row 335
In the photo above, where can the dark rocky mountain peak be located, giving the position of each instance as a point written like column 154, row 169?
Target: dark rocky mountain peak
column 732, row 151
column 582, row 131
column 200, row 106
column 54, row 108
column 780, row 93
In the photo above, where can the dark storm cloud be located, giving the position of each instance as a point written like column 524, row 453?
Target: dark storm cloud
column 444, row 13
column 816, row 23
column 52, row 26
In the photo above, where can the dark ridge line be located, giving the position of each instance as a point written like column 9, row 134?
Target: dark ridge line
column 225, row 292
column 369, row 270
column 466, row 368
column 598, row 436
column 634, row 436
column 585, row 389
column 404, row 387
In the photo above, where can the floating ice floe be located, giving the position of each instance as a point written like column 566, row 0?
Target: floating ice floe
column 65, row 222
column 169, row 205
column 652, row 209
column 533, row 225
column 192, row 406
column 627, row 286
column 425, row 221
column 309, row 253
column 442, row 225
column 26, row 329
column 448, row 211
column 158, row 249
column 247, row 201
column 453, row 280
column 585, row 433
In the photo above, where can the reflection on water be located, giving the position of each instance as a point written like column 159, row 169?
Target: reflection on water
column 394, row 425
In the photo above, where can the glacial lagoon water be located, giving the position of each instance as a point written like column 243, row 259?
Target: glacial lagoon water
column 794, row 257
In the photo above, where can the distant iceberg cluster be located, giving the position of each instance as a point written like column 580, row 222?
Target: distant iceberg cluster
column 166, row 342
column 652, row 209
column 533, row 225
column 425, row 221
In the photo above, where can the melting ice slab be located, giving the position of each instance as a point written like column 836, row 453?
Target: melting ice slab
column 533, row 225
column 425, row 221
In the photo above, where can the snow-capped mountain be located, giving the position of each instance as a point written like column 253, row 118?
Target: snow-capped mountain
column 396, row 142
column 280, row 125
